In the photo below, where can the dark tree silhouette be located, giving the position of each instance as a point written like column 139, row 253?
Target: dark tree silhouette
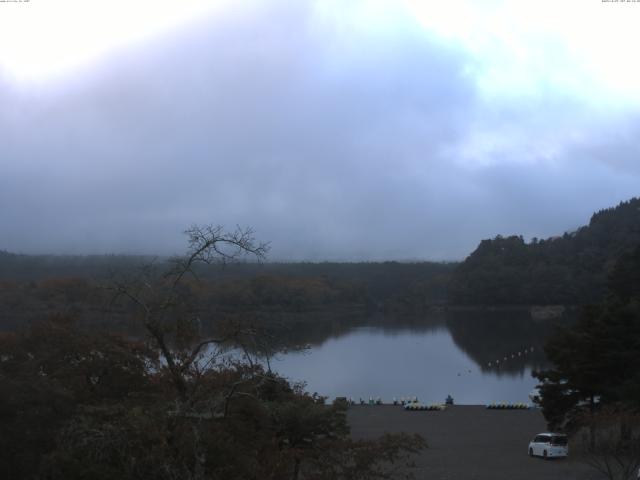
column 84, row 404
column 595, row 379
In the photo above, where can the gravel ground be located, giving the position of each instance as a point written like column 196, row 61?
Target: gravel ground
column 471, row 442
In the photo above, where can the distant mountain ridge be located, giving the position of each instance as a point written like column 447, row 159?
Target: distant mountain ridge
column 571, row 269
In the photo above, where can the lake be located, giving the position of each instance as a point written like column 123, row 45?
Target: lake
column 478, row 358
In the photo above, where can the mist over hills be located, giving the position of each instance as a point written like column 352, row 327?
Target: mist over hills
column 506, row 270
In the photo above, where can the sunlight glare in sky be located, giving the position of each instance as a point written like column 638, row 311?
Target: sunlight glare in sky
column 584, row 47
column 42, row 38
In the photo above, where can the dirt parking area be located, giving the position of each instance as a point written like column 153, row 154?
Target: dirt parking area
column 471, row 442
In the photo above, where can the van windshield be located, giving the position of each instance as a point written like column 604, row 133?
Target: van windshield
column 559, row 440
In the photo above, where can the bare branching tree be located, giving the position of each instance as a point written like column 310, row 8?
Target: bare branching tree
column 214, row 399
column 212, row 244
column 159, row 297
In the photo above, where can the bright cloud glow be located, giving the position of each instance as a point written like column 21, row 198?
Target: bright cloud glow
column 586, row 48
column 328, row 125
column 43, row 38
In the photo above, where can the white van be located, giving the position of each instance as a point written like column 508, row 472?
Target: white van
column 549, row 445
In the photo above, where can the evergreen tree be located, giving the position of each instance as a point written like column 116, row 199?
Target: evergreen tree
column 599, row 357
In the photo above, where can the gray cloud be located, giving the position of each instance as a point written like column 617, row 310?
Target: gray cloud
column 333, row 143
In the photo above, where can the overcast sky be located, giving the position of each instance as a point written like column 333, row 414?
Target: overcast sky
column 343, row 130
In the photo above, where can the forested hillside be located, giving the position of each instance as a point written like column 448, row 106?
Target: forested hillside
column 568, row 269
column 35, row 286
column 571, row 269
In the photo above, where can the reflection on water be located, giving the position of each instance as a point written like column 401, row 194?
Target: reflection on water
column 452, row 354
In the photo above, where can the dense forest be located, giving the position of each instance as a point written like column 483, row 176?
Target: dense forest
column 599, row 356
column 35, row 286
column 383, row 280
column 571, row 269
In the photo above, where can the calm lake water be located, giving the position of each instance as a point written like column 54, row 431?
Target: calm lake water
column 430, row 359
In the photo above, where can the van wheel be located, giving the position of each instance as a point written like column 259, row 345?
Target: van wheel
column 531, row 452
column 544, row 454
